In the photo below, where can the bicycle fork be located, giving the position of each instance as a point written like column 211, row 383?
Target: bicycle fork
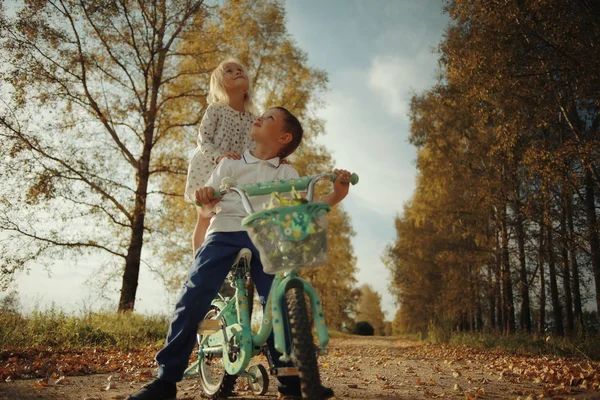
column 280, row 286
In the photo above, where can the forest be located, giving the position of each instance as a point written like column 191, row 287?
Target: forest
column 501, row 234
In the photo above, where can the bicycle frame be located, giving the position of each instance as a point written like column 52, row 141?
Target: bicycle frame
column 235, row 312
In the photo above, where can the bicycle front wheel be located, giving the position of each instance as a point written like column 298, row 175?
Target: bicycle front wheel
column 303, row 345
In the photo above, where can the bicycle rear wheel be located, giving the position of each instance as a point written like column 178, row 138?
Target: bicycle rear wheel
column 303, row 345
column 216, row 382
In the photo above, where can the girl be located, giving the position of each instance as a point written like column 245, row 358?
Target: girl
column 224, row 131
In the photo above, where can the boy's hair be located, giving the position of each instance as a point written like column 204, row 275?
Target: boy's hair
column 290, row 125
column 218, row 94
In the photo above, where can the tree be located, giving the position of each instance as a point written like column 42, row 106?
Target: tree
column 87, row 116
column 397, row 328
column 363, row 328
column 255, row 32
column 369, row 309
column 388, row 329
column 104, row 102
column 507, row 156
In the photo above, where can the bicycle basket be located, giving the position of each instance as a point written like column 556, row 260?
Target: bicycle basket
column 290, row 237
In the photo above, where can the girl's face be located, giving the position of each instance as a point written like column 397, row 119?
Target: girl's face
column 234, row 78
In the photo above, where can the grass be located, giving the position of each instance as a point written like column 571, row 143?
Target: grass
column 56, row 328
column 581, row 347
column 335, row 334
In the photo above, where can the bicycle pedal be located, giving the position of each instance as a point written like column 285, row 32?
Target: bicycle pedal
column 208, row 326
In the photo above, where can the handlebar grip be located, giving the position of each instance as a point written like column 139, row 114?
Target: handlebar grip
column 216, row 195
column 353, row 178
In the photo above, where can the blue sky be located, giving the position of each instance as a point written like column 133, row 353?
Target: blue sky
column 376, row 53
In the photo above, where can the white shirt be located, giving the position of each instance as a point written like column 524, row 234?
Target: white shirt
column 249, row 169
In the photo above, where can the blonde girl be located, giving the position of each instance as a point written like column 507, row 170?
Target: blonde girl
column 224, row 131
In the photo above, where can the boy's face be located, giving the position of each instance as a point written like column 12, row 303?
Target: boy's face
column 268, row 128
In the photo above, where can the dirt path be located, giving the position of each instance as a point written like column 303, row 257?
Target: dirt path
column 375, row 368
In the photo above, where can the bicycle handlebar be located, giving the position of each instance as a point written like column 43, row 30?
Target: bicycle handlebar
column 280, row 186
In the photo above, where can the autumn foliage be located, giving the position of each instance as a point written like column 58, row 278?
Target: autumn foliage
column 501, row 234
column 101, row 111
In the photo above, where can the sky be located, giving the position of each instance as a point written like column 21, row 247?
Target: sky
column 377, row 53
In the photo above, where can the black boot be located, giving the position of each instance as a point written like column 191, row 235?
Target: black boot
column 297, row 395
column 156, row 390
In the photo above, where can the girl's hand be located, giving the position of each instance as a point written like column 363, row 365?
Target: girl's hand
column 229, row 154
column 341, row 188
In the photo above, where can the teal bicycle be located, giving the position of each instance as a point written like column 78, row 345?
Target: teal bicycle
column 287, row 238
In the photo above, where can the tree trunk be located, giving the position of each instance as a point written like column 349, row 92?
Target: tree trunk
column 590, row 208
column 525, row 318
column 132, row 260
column 577, row 309
column 556, row 307
column 541, row 260
column 565, row 266
column 507, row 294
column 478, row 315
column 134, row 252
column 491, row 294
column 500, row 312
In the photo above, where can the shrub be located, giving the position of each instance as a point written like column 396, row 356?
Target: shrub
column 363, row 328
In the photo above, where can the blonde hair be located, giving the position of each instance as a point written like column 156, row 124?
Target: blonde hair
column 218, row 94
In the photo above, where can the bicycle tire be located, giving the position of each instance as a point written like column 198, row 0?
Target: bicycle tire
column 303, row 345
column 223, row 386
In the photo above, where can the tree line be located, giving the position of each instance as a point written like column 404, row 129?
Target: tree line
column 501, row 233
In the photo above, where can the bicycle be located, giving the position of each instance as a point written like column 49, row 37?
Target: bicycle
column 287, row 238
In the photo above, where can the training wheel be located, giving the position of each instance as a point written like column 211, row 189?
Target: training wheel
column 260, row 385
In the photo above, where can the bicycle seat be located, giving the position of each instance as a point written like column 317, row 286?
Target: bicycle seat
column 244, row 254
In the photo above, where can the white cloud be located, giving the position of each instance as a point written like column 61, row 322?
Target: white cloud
column 360, row 139
column 364, row 138
column 393, row 79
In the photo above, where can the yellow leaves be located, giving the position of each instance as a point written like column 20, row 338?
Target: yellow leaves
column 54, row 365
column 389, row 386
column 380, row 377
column 41, row 383
column 42, row 189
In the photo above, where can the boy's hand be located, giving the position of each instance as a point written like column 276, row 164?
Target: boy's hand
column 229, row 154
column 341, row 188
column 204, row 196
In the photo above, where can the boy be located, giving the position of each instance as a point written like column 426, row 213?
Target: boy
column 277, row 135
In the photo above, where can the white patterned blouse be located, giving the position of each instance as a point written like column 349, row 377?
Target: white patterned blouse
column 222, row 129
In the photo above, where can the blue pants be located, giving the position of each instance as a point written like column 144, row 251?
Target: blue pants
column 211, row 265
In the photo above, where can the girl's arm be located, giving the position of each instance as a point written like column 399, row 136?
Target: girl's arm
column 203, row 195
column 206, row 134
